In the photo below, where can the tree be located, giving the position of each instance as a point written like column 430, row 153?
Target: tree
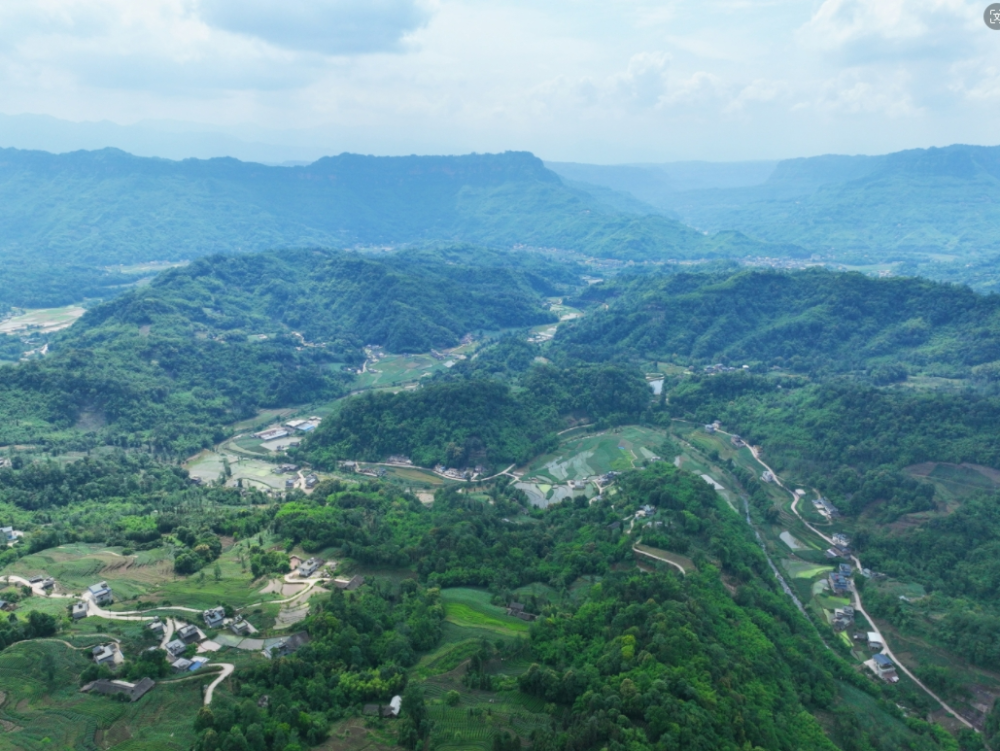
column 218, row 572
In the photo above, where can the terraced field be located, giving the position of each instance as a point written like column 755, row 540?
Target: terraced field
column 35, row 718
column 592, row 455
column 472, row 608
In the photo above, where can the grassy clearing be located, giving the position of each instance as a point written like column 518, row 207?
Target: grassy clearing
column 44, row 320
column 472, row 608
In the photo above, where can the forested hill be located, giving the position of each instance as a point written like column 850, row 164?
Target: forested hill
column 205, row 345
column 87, row 210
column 338, row 299
column 814, row 321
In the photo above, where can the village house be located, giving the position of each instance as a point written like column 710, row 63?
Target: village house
column 885, row 669
column 311, row 481
column 875, row 641
column 390, row 710
column 710, row 429
column 517, row 610
column 349, row 584
column 309, row 567
column 101, row 593
column 182, row 665
column 286, row 646
column 156, row 626
column 134, row 691
column 8, row 534
column 213, row 618
column 188, row 634
column 104, row 654
column 840, row 540
column 767, row 476
column 845, row 569
column 843, row 618
column 175, row 647
column 241, row 627
column 79, row 610
column 839, row 584
column 271, row 434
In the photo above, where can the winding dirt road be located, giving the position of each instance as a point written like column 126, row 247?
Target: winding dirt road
column 854, row 592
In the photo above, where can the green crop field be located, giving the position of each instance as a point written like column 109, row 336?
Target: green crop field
column 591, row 455
column 472, row 608
column 396, row 369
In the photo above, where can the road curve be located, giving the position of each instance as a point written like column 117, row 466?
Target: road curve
column 857, row 597
column 227, row 670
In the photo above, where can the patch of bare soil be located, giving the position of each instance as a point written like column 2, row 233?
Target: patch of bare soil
column 9, row 727
column 274, row 586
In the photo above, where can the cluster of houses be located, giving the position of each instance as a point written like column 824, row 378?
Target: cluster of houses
column 285, row 469
column 457, row 474
column 607, row 477
column 289, row 428
column 880, row 664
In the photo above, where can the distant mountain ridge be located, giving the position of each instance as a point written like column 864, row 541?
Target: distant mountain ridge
column 910, row 205
column 89, row 209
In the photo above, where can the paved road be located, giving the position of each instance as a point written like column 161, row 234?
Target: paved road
column 128, row 615
column 857, row 597
column 35, row 588
column 227, row 670
column 679, row 567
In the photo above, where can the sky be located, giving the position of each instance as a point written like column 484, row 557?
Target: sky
column 617, row 81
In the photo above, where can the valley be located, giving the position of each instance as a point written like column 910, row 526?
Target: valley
column 450, row 496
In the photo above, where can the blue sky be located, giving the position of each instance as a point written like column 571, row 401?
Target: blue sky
column 571, row 80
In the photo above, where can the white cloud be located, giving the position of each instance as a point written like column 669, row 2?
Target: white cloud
column 630, row 80
column 867, row 30
column 333, row 27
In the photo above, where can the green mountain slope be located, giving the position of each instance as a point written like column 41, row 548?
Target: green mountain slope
column 212, row 342
column 816, row 321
